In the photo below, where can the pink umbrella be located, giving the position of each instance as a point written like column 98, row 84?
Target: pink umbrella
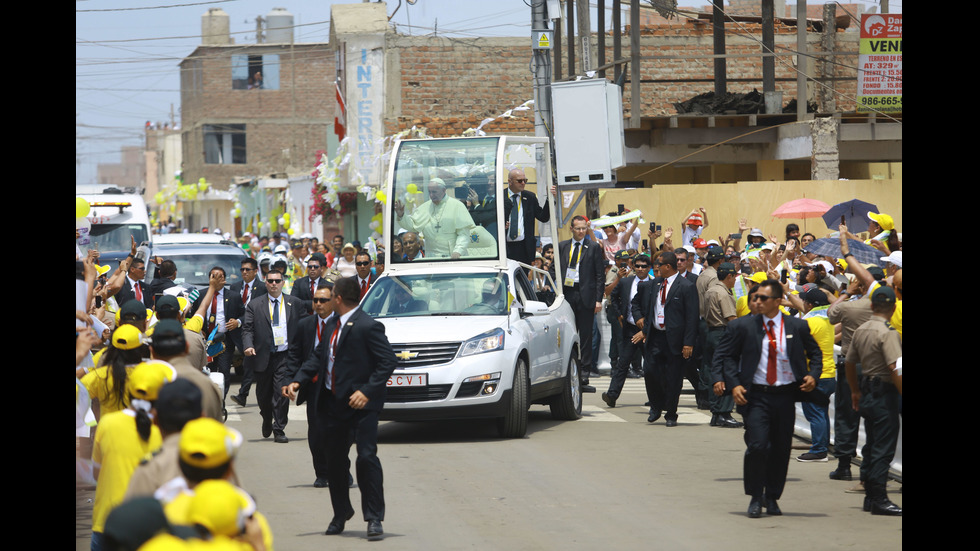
column 801, row 208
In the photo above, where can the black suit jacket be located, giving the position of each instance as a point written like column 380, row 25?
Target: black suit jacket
column 301, row 290
column 258, row 289
column 234, row 309
column 257, row 329
column 364, row 361
column 740, row 349
column 591, row 271
column 302, row 348
column 126, row 293
column 680, row 311
column 523, row 251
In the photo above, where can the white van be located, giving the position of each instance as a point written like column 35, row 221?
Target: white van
column 115, row 217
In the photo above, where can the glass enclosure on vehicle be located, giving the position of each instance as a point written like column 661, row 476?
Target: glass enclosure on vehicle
column 444, row 199
column 448, row 200
column 452, row 294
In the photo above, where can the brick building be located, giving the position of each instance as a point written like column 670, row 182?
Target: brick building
column 234, row 131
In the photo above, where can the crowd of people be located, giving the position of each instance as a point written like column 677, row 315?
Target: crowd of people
column 153, row 363
column 153, row 366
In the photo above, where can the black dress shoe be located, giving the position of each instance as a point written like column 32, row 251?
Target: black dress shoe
column 281, row 439
column 586, row 388
column 321, row 483
column 337, row 524
column 755, row 508
column 671, row 422
column 884, row 506
column 867, row 504
column 654, row 415
column 726, row 421
column 266, row 428
column 374, row 529
column 611, row 402
column 714, row 420
column 240, row 400
column 350, row 480
column 841, row 473
column 772, row 508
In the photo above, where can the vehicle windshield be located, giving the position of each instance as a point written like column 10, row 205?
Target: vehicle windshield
column 193, row 269
column 445, row 200
column 116, row 237
column 438, row 295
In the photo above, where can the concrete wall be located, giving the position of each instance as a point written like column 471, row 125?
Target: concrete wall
column 667, row 205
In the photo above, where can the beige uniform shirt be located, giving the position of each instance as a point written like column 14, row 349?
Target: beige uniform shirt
column 850, row 314
column 718, row 304
column 875, row 346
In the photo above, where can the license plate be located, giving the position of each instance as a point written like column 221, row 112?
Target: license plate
column 415, row 379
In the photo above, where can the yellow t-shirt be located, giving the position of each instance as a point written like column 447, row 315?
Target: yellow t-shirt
column 823, row 332
column 101, row 386
column 896, row 320
column 118, row 450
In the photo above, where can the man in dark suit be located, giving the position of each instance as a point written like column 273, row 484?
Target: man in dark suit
column 620, row 305
column 312, row 331
column 521, row 209
column 303, row 287
column 166, row 273
column 133, row 286
column 224, row 313
column 365, row 279
column 247, row 288
column 666, row 312
column 582, row 278
column 481, row 201
column 352, row 367
column 764, row 359
column 271, row 323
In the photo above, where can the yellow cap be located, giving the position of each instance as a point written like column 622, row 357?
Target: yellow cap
column 883, row 220
column 146, row 379
column 207, row 443
column 127, row 337
column 220, row 507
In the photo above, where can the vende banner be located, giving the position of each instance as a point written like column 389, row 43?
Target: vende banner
column 880, row 63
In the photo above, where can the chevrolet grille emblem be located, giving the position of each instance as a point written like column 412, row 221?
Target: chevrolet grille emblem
column 406, row 355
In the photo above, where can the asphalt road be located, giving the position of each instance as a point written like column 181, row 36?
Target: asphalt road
column 606, row 481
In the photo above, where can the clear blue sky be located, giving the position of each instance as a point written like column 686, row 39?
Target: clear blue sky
column 127, row 51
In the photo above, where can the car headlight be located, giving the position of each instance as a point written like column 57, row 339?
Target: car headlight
column 486, row 342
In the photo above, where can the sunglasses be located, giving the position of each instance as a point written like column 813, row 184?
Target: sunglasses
column 248, row 269
column 362, row 263
column 274, row 281
column 313, row 266
column 520, row 180
column 320, row 300
column 762, row 297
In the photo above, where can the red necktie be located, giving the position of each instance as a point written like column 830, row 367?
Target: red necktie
column 312, row 287
column 139, row 292
column 663, row 297
column 771, row 367
column 363, row 287
column 245, row 293
column 214, row 314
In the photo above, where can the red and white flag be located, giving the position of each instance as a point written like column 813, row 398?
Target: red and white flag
column 339, row 120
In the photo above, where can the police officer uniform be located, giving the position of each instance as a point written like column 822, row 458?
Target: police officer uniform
column 876, row 346
column 718, row 305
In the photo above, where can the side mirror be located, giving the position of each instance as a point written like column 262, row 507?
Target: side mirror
column 536, row 308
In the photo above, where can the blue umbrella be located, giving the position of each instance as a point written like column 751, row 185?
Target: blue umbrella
column 855, row 213
column 830, row 246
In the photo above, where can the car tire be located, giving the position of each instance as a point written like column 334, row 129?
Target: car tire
column 568, row 405
column 514, row 423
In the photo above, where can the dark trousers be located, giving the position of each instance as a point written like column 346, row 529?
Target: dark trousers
column 719, row 404
column 663, row 373
column 584, row 320
column 316, row 435
column 846, row 420
column 879, row 408
column 341, row 424
column 769, row 420
column 616, row 335
column 622, row 365
column 268, row 384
